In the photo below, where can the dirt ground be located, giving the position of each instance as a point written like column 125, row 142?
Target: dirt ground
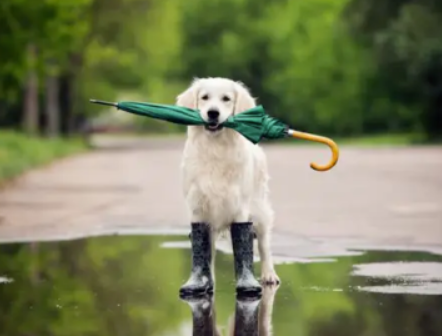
column 387, row 196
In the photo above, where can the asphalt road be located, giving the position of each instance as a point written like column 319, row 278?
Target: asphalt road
column 376, row 196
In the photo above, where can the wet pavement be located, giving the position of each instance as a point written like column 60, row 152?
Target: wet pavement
column 382, row 195
column 128, row 285
column 97, row 245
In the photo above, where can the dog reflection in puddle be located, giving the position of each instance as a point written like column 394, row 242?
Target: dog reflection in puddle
column 252, row 317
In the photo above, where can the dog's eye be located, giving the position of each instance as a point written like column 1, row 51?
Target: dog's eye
column 226, row 99
column 205, row 97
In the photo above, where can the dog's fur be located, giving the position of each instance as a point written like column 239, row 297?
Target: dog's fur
column 224, row 175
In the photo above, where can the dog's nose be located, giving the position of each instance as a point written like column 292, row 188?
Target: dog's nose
column 213, row 114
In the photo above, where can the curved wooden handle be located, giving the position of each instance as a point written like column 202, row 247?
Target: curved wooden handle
column 316, row 138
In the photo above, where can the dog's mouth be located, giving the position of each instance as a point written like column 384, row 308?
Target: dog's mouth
column 213, row 127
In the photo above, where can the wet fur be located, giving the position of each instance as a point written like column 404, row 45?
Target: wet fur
column 225, row 176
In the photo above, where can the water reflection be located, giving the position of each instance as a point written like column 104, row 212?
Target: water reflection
column 129, row 285
column 203, row 315
column 252, row 316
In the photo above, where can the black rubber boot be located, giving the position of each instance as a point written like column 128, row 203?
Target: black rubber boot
column 203, row 315
column 242, row 243
column 200, row 281
column 246, row 317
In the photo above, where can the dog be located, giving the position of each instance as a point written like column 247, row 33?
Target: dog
column 225, row 176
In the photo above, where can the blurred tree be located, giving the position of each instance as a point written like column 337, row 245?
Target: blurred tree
column 403, row 40
column 295, row 56
column 76, row 48
column 413, row 45
column 343, row 67
column 50, row 30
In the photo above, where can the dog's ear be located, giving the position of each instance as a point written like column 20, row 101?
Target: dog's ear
column 244, row 100
column 188, row 98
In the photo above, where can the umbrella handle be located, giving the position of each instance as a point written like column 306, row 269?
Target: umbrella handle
column 316, row 138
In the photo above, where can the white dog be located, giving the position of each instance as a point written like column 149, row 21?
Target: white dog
column 225, row 178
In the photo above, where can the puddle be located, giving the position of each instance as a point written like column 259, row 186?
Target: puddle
column 128, row 285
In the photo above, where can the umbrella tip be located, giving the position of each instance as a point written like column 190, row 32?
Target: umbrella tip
column 96, row 101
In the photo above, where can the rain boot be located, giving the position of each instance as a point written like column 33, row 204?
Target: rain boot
column 200, row 281
column 242, row 243
column 203, row 315
column 246, row 316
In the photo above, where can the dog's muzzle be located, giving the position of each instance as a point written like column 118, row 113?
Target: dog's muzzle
column 213, row 127
column 213, row 123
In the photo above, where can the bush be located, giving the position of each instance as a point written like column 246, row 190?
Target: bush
column 19, row 152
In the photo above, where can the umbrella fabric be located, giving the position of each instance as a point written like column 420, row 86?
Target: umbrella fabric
column 254, row 124
column 176, row 114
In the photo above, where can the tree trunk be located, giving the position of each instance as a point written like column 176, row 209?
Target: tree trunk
column 76, row 61
column 65, row 97
column 31, row 113
column 52, row 105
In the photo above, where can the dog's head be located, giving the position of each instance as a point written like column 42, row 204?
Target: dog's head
column 216, row 99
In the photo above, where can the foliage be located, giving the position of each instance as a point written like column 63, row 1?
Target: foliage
column 413, row 44
column 403, row 40
column 19, row 152
column 344, row 67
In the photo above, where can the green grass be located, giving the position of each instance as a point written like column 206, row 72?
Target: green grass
column 378, row 140
column 19, row 152
column 382, row 139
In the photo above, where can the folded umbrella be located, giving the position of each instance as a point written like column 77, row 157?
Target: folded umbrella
column 254, row 124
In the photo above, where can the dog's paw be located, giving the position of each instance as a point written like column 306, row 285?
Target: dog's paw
column 269, row 292
column 270, row 278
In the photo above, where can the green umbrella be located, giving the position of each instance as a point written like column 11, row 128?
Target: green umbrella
column 254, row 124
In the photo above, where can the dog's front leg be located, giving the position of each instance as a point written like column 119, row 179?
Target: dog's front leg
column 242, row 235
column 200, row 280
column 202, row 239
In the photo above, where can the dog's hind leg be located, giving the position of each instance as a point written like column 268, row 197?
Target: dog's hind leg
column 263, row 228
column 242, row 243
column 268, row 274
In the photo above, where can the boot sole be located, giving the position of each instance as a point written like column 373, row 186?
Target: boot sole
column 248, row 292
column 195, row 292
